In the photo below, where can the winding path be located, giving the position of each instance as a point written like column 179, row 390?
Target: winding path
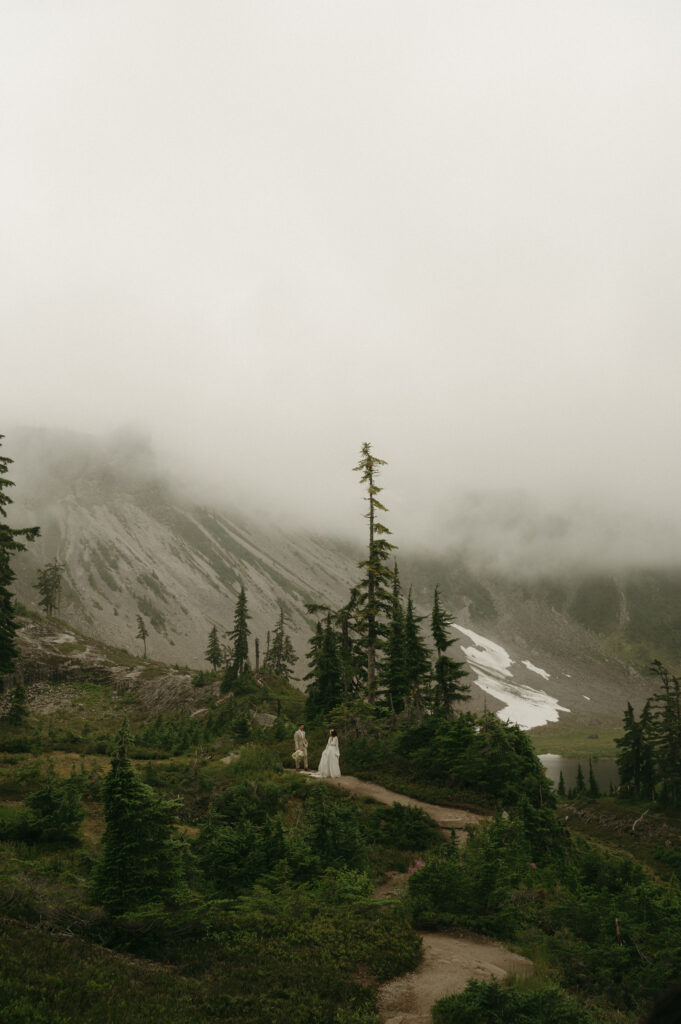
column 449, row 962
column 448, row 818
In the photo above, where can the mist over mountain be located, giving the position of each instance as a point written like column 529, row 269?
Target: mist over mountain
column 516, row 533
column 135, row 541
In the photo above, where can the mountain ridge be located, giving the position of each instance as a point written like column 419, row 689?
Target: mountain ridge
column 133, row 545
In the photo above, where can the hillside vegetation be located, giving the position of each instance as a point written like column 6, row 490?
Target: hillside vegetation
column 251, row 894
column 159, row 855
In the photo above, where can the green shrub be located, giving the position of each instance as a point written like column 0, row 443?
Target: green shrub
column 333, row 828
column 249, row 799
column 55, row 811
column 233, row 857
column 254, row 760
column 493, row 762
column 671, row 856
column 472, row 886
column 52, row 814
column 404, row 828
column 171, row 734
column 488, row 1003
column 344, row 885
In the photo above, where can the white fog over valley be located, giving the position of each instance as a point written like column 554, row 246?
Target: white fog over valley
column 255, row 235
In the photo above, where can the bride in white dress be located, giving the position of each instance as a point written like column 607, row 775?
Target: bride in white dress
column 329, row 766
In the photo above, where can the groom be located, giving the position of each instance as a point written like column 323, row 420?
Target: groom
column 300, row 741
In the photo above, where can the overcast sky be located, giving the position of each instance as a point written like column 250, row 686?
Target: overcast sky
column 262, row 233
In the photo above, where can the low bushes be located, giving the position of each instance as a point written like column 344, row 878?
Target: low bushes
column 492, row 1004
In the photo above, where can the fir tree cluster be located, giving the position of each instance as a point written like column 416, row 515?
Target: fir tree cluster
column 11, row 542
column 649, row 761
column 373, row 647
column 48, row 585
column 234, row 657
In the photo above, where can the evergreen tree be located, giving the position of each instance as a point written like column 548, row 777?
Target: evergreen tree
column 375, row 597
column 10, row 544
column 142, row 633
column 17, row 712
column 48, row 585
column 140, row 860
column 416, row 656
column 594, row 791
column 666, row 723
column 648, row 766
column 580, row 786
column 280, row 657
column 561, row 785
column 213, row 653
column 635, row 761
column 348, row 629
column 325, row 690
column 447, row 672
column 55, row 810
column 348, row 626
column 240, row 634
column 393, row 675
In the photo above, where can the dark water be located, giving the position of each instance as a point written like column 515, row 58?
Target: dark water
column 604, row 769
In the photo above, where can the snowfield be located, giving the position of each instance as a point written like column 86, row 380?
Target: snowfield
column 523, row 705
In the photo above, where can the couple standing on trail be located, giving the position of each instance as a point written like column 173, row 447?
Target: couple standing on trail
column 329, row 765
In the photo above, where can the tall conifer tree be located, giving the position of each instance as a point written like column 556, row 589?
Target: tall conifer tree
column 48, row 585
column 213, row 652
column 142, row 632
column 280, row 657
column 10, row 544
column 416, row 656
column 375, row 597
column 140, row 861
column 325, row 690
column 240, row 634
column 666, row 725
column 580, row 784
column 393, row 674
column 635, row 761
column 447, row 673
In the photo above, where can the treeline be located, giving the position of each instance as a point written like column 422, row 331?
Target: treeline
column 373, row 647
column 233, row 657
column 649, row 759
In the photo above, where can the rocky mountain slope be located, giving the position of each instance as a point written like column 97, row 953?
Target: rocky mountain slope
column 54, row 658
column 133, row 545
column 130, row 546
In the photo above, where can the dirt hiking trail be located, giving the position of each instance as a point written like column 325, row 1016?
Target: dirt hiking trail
column 448, row 818
column 449, row 962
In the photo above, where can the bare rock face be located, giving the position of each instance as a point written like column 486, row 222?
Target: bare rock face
column 130, row 546
column 52, row 658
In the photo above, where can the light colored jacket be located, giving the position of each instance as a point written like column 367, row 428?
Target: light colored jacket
column 300, row 740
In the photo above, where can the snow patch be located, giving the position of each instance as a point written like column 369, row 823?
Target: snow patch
column 489, row 656
column 523, row 705
column 585, row 697
column 540, row 671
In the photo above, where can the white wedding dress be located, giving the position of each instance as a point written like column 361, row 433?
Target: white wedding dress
column 329, row 766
